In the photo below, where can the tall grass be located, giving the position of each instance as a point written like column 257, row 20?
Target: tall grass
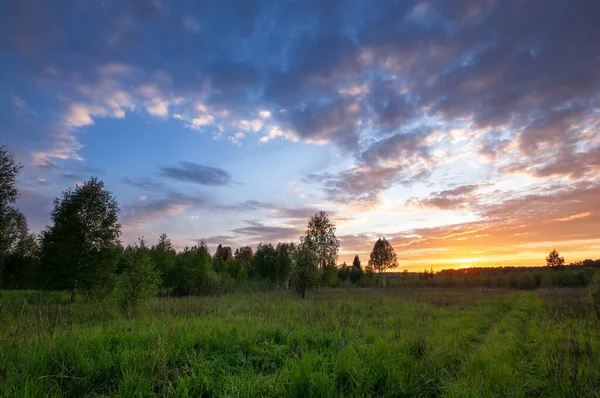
column 337, row 342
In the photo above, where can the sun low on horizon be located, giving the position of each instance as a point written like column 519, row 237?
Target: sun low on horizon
column 466, row 133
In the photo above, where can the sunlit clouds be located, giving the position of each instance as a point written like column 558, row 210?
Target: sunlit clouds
column 465, row 132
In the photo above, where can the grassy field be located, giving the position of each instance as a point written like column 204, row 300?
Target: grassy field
column 338, row 342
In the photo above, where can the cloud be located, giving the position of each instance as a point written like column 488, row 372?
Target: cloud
column 145, row 211
column 515, row 228
column 256, row 231
column 147, row 184
column 574, row 216
column 198, row 174
column 248, row 205
column 449, row 199
column 402, row 92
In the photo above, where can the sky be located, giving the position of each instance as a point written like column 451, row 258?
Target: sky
column 465, row 132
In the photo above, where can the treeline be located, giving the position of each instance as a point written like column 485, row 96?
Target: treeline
column 572, row 275
column 81, row 251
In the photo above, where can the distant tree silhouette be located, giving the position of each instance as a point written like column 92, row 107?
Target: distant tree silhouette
column 344, row 272
column 382, row 258
column 554, row 259
column 356, row 272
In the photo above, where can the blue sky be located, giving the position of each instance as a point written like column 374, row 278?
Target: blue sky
column 466, row 132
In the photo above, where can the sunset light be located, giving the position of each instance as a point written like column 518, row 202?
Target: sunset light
column 461, row 139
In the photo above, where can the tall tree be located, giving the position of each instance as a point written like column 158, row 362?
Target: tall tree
column 356, row 272
column 163, row 255
column 82, row 247
column 554, row 259
column 265, row 261
column 320, row 238
column 218, row 263
column 245, row 256
column 382, row 258
column 356, row 262
column 9, row 170
column 226, row 253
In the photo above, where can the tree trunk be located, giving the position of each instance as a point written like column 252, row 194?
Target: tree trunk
column 381, row 280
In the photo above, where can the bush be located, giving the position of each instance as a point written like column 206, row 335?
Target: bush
column 305, row 274
column 526, row 281
column 329, row 276
column 138, row 282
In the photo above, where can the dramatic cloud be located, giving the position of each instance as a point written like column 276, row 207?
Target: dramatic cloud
column 486, row 109
column 198, row 174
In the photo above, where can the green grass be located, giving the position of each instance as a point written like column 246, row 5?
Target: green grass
column 337, row 342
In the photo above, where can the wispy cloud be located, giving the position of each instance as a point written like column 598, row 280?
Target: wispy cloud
column 197, row 173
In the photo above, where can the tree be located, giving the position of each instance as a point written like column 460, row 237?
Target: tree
column 265, row 261
column 320, row 238
column 139, row 279
column 245, row 256
column 192, row 271
column 21, row 256
column 9, row 170
column 82, row 247
column 226, row 253
column 163, row 255
column 284, row 262
column 554, row 260
column 344, row 272
column 382, row 258
column 305, row 273
column 222, row 256
column 356, row 272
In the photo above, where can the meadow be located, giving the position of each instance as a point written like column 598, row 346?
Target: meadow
column 337, row 342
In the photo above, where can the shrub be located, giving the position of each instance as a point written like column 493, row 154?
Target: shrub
column 526, row 281
column 139, row 280
column 305, row 274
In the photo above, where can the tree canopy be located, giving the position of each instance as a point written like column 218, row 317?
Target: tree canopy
column 9, row 170
column 554, row 259
column 383, row 257
column 81, row 247
column 320, row 238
